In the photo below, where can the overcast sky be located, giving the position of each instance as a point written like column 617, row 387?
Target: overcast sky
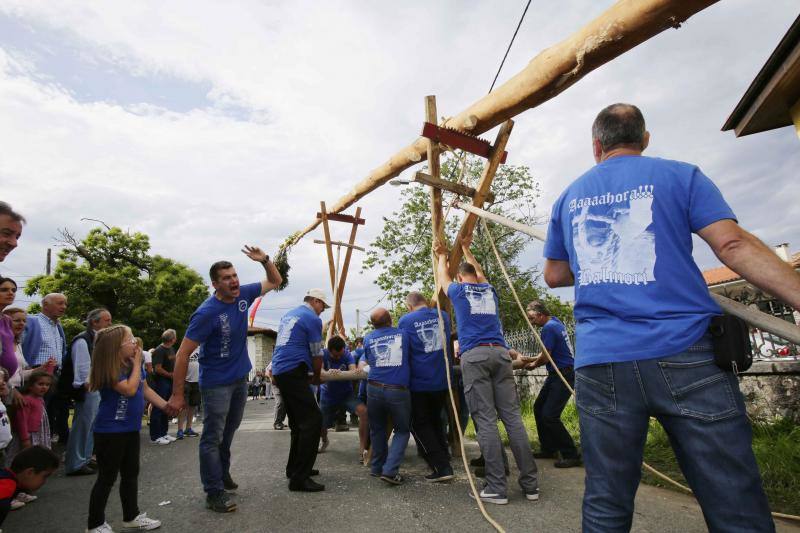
column 208, row 125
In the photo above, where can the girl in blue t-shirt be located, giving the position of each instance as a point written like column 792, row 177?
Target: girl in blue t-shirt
column 117, row 373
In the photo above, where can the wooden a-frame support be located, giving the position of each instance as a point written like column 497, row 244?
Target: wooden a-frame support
column 338, row 284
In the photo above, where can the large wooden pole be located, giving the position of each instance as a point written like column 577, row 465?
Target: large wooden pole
column 620, row 28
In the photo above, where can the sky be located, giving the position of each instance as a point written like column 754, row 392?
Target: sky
column 209, row 125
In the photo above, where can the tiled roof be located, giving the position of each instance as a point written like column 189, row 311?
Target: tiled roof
column 723, row 274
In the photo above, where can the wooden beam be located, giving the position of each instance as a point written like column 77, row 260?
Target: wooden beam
column 620, row 28
column 437, row 216
column 343, row 275
column 450, row 186
column 328, row 249
column 340, row 243
column 350, row 219
column 513, row 224
column 485, row 183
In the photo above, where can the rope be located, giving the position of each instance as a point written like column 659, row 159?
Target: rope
column 509, row 45
column 547, row 353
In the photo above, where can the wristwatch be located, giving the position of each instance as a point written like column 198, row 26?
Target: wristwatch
column 266, row 260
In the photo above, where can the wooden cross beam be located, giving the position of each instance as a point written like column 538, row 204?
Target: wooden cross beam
column 338, row 279
column 451, row 186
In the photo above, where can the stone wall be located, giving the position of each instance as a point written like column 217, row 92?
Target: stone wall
column 771, row 389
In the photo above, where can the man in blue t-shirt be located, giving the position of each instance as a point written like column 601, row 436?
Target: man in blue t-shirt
column 334, row 395
column 296, row 364
column 219, row 328
column 623, row 231
column 428, row 382
column 488, row 376
column 554, row 438
column 386, row 354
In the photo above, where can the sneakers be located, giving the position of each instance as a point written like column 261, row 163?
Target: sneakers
column 342, row 427
column 228, row 482
column 438, row 477
column 532, row 496
column 25, row 497
column 17, row 504
column 169, row 438
column 141, row 523
column 179, row 435
column 324, row 445
column 161, row 441
column 478, row 461
column 191, row 433
column 279, row 426
column 568, row 463
column 103, row 528
column 490, row 497
column 396, row 479
column 220, row 503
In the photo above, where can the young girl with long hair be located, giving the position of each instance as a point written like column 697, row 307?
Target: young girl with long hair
column 30, row 423
column 117, row 373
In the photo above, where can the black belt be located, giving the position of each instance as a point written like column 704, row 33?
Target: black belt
column 491, row 344
column 386, row 385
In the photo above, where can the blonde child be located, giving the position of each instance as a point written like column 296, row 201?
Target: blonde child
column 117, row 373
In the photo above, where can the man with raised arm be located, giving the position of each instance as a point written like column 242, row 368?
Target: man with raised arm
column 488, row 375
column 622, row 234
column 219, row 328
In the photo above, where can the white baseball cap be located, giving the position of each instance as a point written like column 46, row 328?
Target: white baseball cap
column 320, row 295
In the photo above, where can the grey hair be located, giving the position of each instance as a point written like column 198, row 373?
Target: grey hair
column 169, row 335
column 95, row 314
column 48, row 297
column 619, row 124
column 415, row 298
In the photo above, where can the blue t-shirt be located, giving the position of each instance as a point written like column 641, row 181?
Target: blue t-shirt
column 425, row 345
column 358, row 355
column 336, row 392
column 300, row 328
column 386, row 353
column 556, row 340
column 221, row 330
column 477, row 318
column 626, row 227
column 118, row 413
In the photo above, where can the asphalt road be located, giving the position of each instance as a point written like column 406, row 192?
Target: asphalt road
column 352, row 502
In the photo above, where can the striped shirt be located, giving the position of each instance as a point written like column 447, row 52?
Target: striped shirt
column 52, row 343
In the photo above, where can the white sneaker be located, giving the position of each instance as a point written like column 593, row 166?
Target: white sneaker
column 161, row 441
column 17, row 504
column 104, row 528
column 532, row 496
column 488, row 497
column 141, row 523
column 25, row 498
column 169, row 438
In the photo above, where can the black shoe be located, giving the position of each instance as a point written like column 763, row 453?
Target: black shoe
column 220, row 503
column 481, row 472
column 396, row 479
column 545, row 455
column 438, row 477
column 228, row 483
column 342, row 427
column 307, row 485
column 278, row 426
column 480, row 461
column 568, row 463
column 85, row 470
column 314, row 472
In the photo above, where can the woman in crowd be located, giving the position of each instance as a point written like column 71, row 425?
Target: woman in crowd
column 18, row 318
column 8, row 357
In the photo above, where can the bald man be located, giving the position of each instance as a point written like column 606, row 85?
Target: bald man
column 386, row 351
column 44, row 340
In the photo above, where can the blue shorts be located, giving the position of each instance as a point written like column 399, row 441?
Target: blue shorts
column 329, row 409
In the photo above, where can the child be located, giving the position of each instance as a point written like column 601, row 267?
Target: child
column 30, row 421
column 117, row 373
column 29, row 470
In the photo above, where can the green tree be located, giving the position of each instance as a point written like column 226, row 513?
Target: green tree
column 402, row 252
column 112, row 268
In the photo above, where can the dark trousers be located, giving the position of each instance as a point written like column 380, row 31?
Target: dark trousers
column 547, row 410
column 117, row 453
column 428, row 429
column 57, row 412
column 305, row 420
column 159, row 422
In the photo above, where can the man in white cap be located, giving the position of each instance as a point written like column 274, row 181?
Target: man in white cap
column 298, row 353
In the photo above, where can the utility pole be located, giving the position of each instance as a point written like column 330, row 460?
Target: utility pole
column 47, row 264
column 358, row 322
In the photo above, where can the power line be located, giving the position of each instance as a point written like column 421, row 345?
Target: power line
column 527, row 5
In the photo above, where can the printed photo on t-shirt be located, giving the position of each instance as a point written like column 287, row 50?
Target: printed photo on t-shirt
column 481, row 300
column 428, row 333
column 285, row 329
column 388, row 350
column 613, row 237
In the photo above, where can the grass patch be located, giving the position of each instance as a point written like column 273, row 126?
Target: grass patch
column 776, row 446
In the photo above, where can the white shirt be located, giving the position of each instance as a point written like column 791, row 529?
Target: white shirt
column 148, row 357
column 193, row 370
column 5, row 428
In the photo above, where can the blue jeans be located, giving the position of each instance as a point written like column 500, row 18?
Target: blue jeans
column 81, row 437
column 384, row 403
column 350, row 404
column 223, row 408
column 701, row 409
column 159, row 421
